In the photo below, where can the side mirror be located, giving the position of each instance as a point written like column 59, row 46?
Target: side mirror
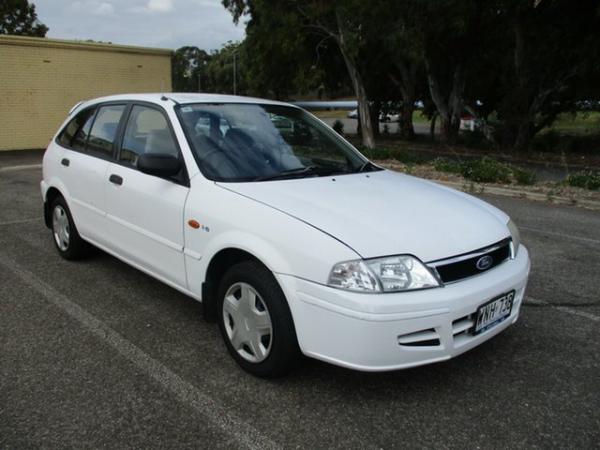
column 159, row 164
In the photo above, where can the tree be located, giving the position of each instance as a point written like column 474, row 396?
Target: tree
column 449, row 32
column 348, row 24
column 553, row 50
column 19, row 17
column 220, row 70
column 404, row 50
column 188, row 67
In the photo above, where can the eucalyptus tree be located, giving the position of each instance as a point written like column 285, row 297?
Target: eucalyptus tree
column 349, row 25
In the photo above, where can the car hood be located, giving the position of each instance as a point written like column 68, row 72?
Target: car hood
column 385, row 213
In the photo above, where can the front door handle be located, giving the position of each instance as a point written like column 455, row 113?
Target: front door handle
column 65, row 162
column 115, row 179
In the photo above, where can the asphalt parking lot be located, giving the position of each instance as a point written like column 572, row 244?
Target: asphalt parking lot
column 96, row 354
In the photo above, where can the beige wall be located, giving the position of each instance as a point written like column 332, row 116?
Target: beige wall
column 41, row 79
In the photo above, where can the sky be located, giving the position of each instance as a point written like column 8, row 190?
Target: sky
column 149, row 23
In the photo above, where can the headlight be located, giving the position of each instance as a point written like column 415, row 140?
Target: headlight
column 514, row 234
column 390, row 274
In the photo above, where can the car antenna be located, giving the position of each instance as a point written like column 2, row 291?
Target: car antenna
column 164, row 98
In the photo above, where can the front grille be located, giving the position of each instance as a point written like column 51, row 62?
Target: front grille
column 464, row 266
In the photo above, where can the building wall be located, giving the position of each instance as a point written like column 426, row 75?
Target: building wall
column 42, row 79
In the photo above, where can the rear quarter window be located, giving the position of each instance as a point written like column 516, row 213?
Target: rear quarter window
column 74, row 134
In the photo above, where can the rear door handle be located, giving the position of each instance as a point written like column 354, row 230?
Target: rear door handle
column 65, row 162
column 115, row 179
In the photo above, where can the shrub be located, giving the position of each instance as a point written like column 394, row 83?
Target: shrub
column 486, row 170
column 409, row 157
column 447, row 165
column 338, row 126
column 523, row 176
column 588, row 179
column 376, row 153
column 546, row 142
column 403, row 156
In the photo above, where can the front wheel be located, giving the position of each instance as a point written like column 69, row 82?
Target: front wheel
column 256, row 322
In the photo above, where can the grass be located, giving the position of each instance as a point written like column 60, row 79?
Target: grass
column 581, row 123
column 418, row 116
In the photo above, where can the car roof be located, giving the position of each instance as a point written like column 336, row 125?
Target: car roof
column 183, row 98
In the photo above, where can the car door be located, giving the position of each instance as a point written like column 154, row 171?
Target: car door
column 145, row 212
column 88, row 141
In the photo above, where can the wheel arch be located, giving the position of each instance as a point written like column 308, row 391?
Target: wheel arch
column 52, row 193
column 218, row 265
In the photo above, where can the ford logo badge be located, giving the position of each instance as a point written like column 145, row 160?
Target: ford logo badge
column 485, row 262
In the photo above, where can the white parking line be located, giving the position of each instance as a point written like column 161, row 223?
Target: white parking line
column 14, row 222
column 562, row 235
column 20, row 167
column 572, row 311
column 218, row 416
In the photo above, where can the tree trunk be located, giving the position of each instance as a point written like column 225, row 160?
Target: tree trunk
column 408, row 89
column 432, row 126
column 523, row 135
column 449, row 106
column 364, row 111
column 375, row 109
column 407, row 130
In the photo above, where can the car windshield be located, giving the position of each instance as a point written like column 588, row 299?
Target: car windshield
column 252, row 142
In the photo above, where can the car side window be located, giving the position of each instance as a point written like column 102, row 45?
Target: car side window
column 75, row 134
column 147, row 131
column 104, row 129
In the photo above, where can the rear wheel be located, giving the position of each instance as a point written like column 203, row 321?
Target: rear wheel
column 66, row 238
column 255, row 321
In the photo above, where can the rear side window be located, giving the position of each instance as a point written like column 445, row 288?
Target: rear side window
column 104, row 129
column 75, row 134
column 147, row 132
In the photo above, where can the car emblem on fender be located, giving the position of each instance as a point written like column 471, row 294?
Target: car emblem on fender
column 484, row 262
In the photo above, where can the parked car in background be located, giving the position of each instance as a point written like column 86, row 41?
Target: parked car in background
column 294, row 242
column 383, row 117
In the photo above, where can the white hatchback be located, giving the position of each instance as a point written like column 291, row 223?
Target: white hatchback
column 292, row 240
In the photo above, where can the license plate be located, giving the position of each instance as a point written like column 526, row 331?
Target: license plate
column 493, row 312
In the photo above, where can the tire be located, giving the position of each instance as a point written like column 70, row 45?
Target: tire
column 262, row 351
column 66, row 239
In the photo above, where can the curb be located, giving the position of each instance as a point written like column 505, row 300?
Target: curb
column 20, row 167
column 519, row 193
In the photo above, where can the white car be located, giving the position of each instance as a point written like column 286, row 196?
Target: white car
column 292, row 240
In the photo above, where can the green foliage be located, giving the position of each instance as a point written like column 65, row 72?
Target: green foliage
column 447, row 165
column 523, row 176
column 486, row 170
column 557, row 142
column 19, row 17
column 524, row 63
column 188, row 69
column 587, row 179
column 219, row 69
column 338, row 126
column 403, row 156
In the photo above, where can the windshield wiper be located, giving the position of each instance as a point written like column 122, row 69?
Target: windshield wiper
column 290, row 173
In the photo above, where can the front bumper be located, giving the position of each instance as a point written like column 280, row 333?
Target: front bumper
column 369, row 331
